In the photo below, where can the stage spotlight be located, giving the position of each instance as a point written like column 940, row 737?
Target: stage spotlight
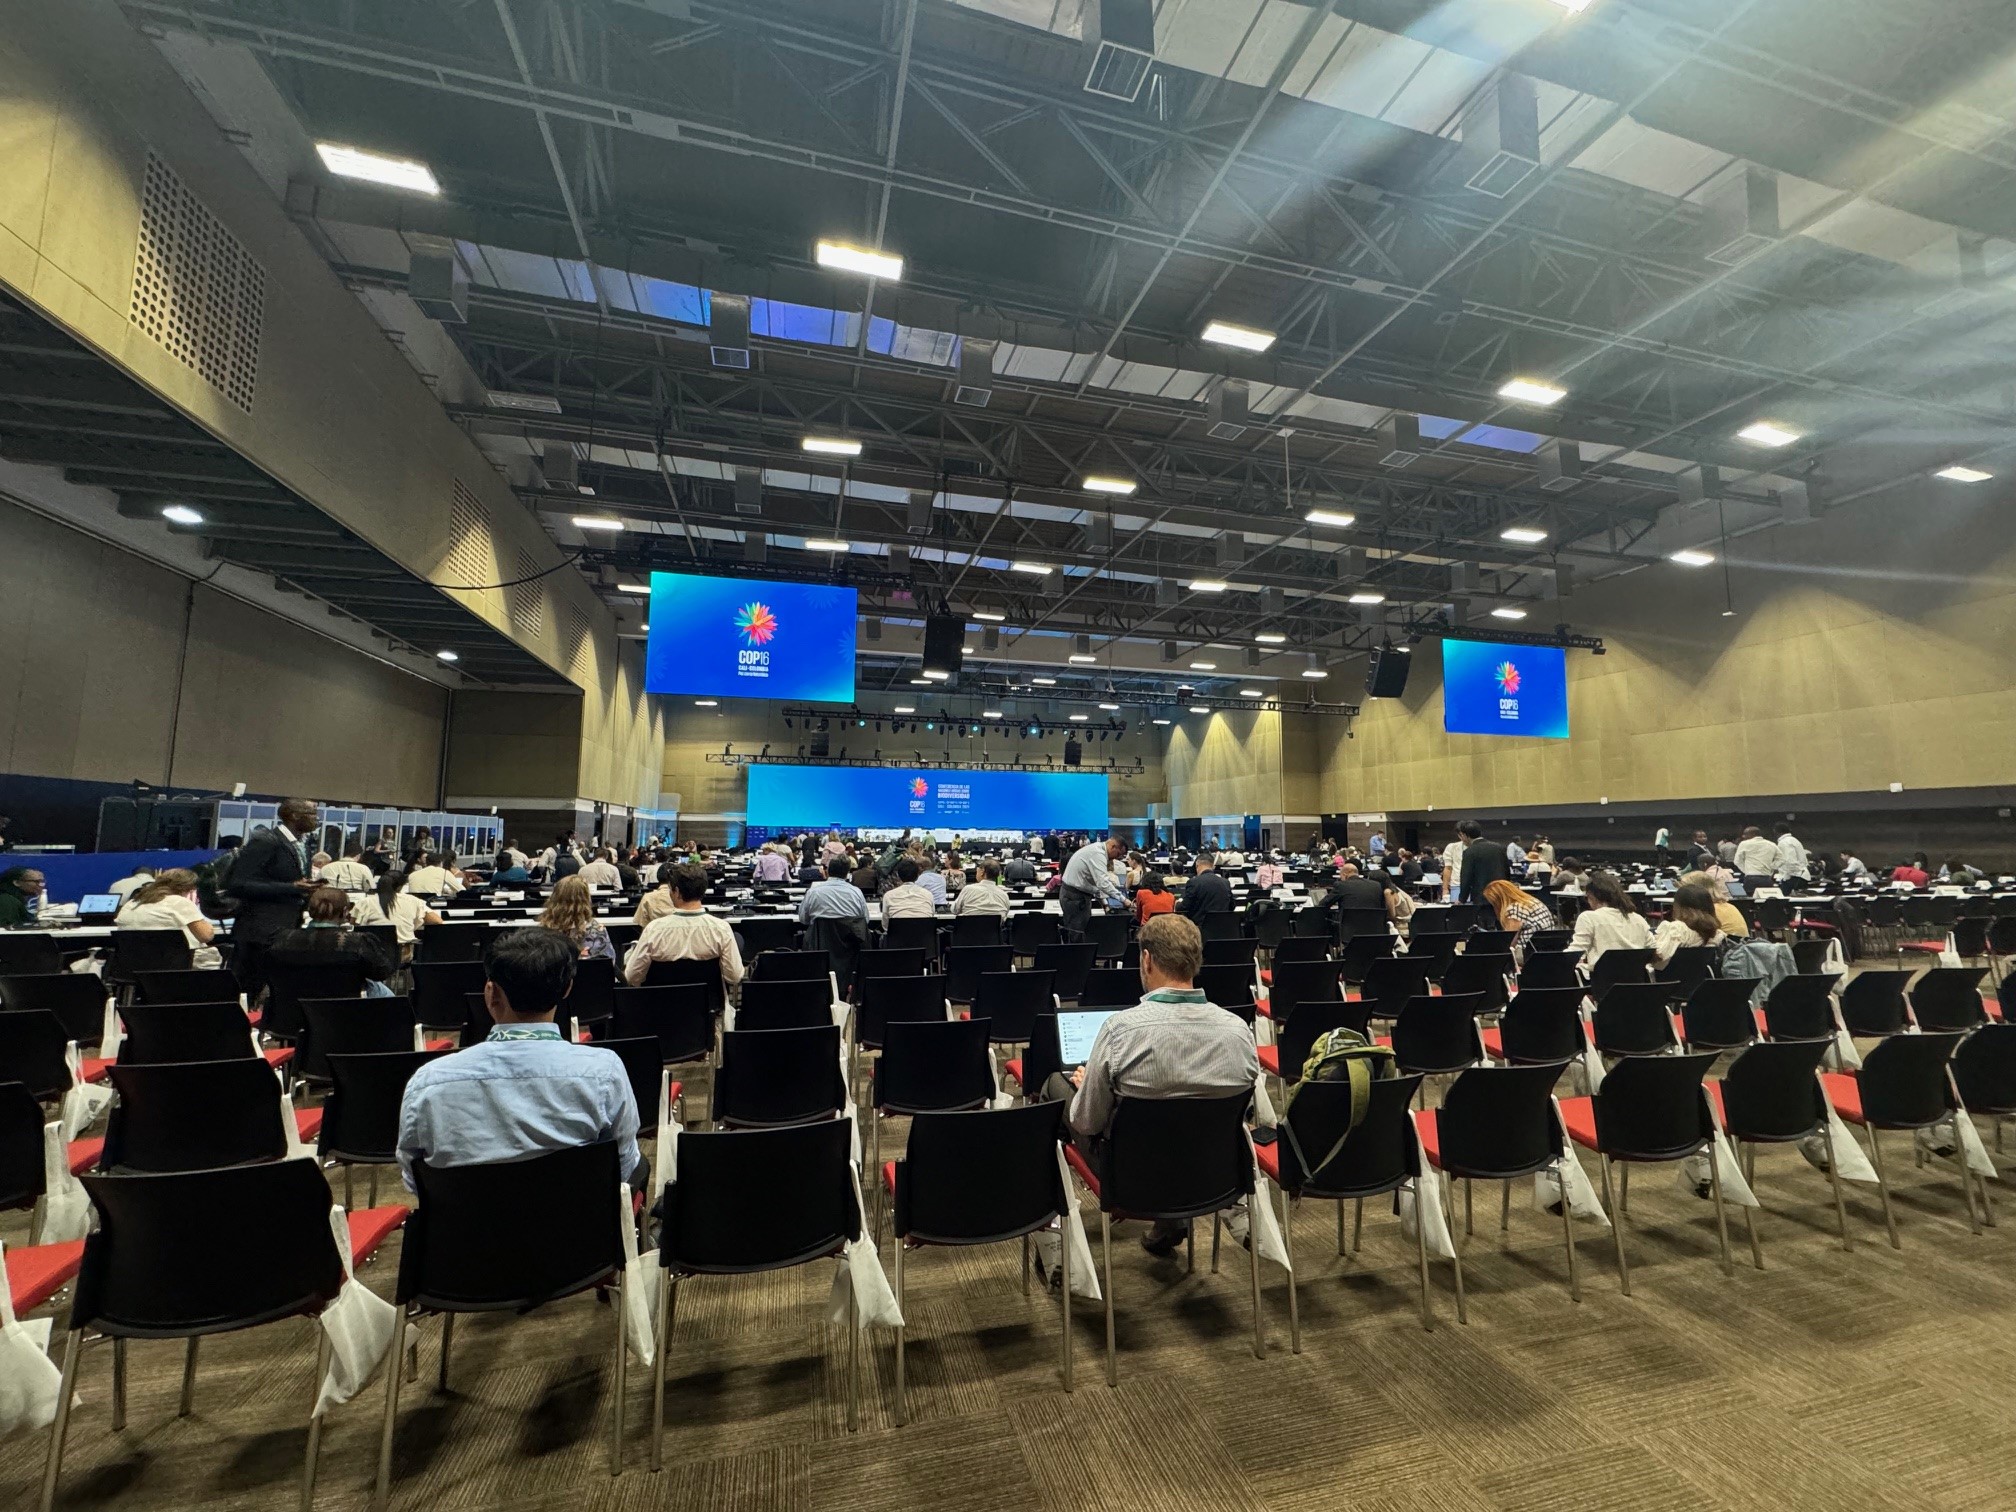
column 766, row 748
column 728, row 750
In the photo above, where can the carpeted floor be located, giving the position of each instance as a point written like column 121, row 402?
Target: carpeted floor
column 1873, row 1379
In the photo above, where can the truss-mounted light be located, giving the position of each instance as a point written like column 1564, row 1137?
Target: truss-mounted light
column 1101, row 483
column 1531, row 391
column 1954, row 474
column 844, row 257
column 377, row 168
column 830, row 446
column 1245, row 338
column 1333, row 517
column 1764, row 433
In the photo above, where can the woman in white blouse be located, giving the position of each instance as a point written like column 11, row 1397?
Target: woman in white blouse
column 393, row 904
column 169, row 902
column 1607, row 921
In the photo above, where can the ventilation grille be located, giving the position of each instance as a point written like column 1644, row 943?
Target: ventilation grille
column 469, row 561
column 574, row 643
column 526, row 602
column 195, row 288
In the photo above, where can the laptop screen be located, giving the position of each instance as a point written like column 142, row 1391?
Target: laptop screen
column 1075, row 1033
column 99, row 903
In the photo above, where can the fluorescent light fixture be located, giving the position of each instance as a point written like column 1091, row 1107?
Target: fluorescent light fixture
column 1199, row 709
column 1508, row 614
column 826, row 543
column 988, row 617
column 1034, row 569
column 990, row 713
column 584, row 490
column 1314, row 672
column 1079, row 718
column 1203, row 666
column 182, row 514
column 538, row 404
column 1692, row 558
column 848, row 258
column 597, row 522
column 1368, row 598
column 1208, row 585
column 1044, row 682
column 1956, row 474
column 1271, row 638
column 1531, row 391
column 1330, row 517
column 645, row 628
column 920, row 682
column 1082, row 659
column 1158, row 721
column 1247, row 339
column 1095, row 483
column 633, row 587
column 830, row 446
column 1764, row 433
column 447, row 656
column 1110, row 708
column 706, row 703
column 904, row 709
column 377, row 168
column 1525, row 535
column 1252, row 693
column 930, row 675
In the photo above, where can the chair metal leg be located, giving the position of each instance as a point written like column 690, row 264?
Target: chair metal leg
column 1616, row 1224
column 1190, row 1250
column 447, row 1344
column 1750, row 1218
column 1883, row 1187
column 314, row 1423
column 853, row 1363
column 1106, row 1252
column 621, row 1384
column 188, row 1404
column 1834, row 1176
column 118, row 1385
column 1469, row 1216
column 1025, row 1261
column 1721, row 1212
column 670, row 1299
column 1421, row 1255
column 1216, row 1225
column 349, row 1187
column 1505, row 1208
column 1064, row 1276
column 371, row 1191
column 1568, row 1238
column 382, row 1490
column 1623, row 1188
column 73, row 1345
column 902, row 1405
column 1288, row 1241
column 1253, row 1266
column 1455, row 1252
column 1340, row 1226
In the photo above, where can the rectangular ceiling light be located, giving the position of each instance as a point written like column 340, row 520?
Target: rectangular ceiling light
column 633, row 588
column 1693, row 558
column 1764, row 433
column 851, row 259
column 1203, row 666
column 830, row 446
column 1079, row 718
column 706, row 703
column 1271, row 638
column 1044, row 682
column 377, row 168
column 181, row 514
column 1531, row 391
column 1158, row 721
column 1508, row 614
column 1095, row 483
column 904, row 709
column 987, row 616
column 1084, row 658
column 1330, row 517
column 597, row 522
column 931, row 674
column 1965, row 474
column 825, row 543
column 1251, row 693
column 1224, row 333
column 1368, row 598
column 990, row 713
column 1110, row 708
column 538, row 404
column 1208, row 585
column 1035, row 569
column 1525, row 535
column 1199, row 709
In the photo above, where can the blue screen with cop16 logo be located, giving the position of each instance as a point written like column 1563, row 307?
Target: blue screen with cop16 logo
column 1493, row 689
column 743, row 638
column 813, row 797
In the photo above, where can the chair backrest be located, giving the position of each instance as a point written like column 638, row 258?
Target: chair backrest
column 1390, row 983
column 208, row 986
column 1949, row 997
column 641, row 1064
column 1651, row 1107
column 1439, row 1034
column 1175, row 1157
column 462, row 940
column 891, row 961
column 1071, row 963
column 351, row 1026
column 1300, row 948
column 1633, row 1018
column 1313, row 924
column 1311, row 981
column 32, row 1046
column 1296, row 1035
column 134, row 950
column 469, row 1246
column 792, row 966
column 920, row 935
column 976, row 931
column 772, row 1077
column 440, row 989
column 1800, row 1008
column 1377, row 1156
column 167, row 1033
column 593, row 997
column 1485, row 973
column 1770, row 1091
column 1497, row 1122
column 1717, row 1014
column 979, row 1177
column 77, row 998
column 1884, row 910
column 1361, row 950
column 1903, row 1080
column 360, row 1116
column 193, row 1116
column 1106, row 933
column 1548, row 942
column 1985, row 1068
column 1543, row 1024
column 292, row 976
column 759, row 1199
column 29, row 954
column 1028, row 930
column 702, row 974
column 1010, row 1001
column 785, row 1004
column 882, row 1001
column 1221, row 926
column 1873, row 1004
column 761, row 935
column 1548, row 969
column 22, row 1179
column 155, row 1263
column 1228, row 985
column 966, row 964
column 1232, row 952
column 1622, row 965
column 935, row 1067
column 1110, row 987
column 1687, row 965
column 680, row 1019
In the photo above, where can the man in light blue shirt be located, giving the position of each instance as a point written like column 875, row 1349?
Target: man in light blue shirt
column 932, row 880
column 835, row 898
column 524, row 1091
column 1088, row 875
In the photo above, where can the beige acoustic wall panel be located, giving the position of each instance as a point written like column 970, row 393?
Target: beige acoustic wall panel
column 1225, row 763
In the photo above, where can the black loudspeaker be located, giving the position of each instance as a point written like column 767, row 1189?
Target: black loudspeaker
column 1386, row 677
column 944, row 643
column 1074, row 753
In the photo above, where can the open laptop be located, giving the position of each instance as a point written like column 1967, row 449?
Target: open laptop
column 98, row 908
column 1075, row 1033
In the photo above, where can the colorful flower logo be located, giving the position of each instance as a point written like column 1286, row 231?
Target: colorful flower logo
column 1508, row 677
column 919, row 787
column 756, row 623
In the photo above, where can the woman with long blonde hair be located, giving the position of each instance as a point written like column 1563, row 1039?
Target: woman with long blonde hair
column 1518, row 911
column 570, row 911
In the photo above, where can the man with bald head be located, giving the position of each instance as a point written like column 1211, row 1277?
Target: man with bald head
column 269, row 880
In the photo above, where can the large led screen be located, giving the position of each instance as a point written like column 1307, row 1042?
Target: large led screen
column 743, row 638
column 816, row 797
column 1492, row 689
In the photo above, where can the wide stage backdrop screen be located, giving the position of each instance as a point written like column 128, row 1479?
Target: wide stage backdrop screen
column 1490, row 689
column 743, row 638
column 815, row 797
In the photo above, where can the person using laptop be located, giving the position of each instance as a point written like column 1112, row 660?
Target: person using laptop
column 20, row 896
column 1175, row 1043
column 128, row 885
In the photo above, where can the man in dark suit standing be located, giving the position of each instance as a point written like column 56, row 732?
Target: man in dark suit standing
column 270, row 879
column 1207, row 893
column 1482, row 864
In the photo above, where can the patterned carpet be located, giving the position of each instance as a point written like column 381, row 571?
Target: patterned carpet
column 1874, row 1379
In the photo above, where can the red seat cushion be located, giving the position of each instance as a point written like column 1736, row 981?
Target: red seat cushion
column 1270, row 1059
column 1845, row 1093
column 1261, row 1007
column 256, row 1017
column 1082, row 1167
column 279, row 1056
column 371, row 1228
column 1579, row 1114
column 673, row 1092
column 1431, row 1136
column 309, row 1122
column 84, row 1155
column 1269, row 1156
column 440, row 1044
column 1762, row 1026
column 1993, row 1007
column 1928, row 947
column 1715, row 1096
column 1494, row 1042
column 889, row 1176
column 1818, row 926
column 1267, row 976
column 94, row 1069
column 35, row 1273
column 1014, row 1068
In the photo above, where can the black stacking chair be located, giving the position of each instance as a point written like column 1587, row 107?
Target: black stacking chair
column 470, row 1249
column 211, row 986
column 1621, row 965
column 1717, row 1014
column 784, row 1003
column 772, row 1077
column 1948, row 997
column 168, row 1033
column 462, row 940
column 33, row 1046
column 1106, row 933
column 1873, row 1004
column 441, row 991
column 135, row 950
column 792, row 966
column 1300, row 948
column 1548, row 969
column 976, row 931
column 1361, row 950
column 1296, row 1034
column 1393, row 983
column 1482, row 975
column 751, row 1201
column 1028, row 931
column 646, row 1073
column 1071, row 964
column 898, row 999
column 1433, row 953
column 761, row 935
column 29, row 954
column 1984, row 1071
column 1906, row 1082
column 360, row 1116
column 919, row 935
column 680, row 1019
column 979, row 1178
column 1771, row 1094
column 1221, row 926
column 76, row 998
column 1548, row 942
column 592, row 999
column 1298, row 982
column 942, row 1067
column 1313, row 924
column 350, row 1026
column 1800, row 1008
column 1011, row 1000
column 1632, row 1019
column 23, row 1179
column 1110, row 987
column 197, row 1116
column 289, row 981
column 1690, row 964
column 1228, row 986
column 966, row 964
column 1540, row 1025
column 1436, row 1036
column 705, row 974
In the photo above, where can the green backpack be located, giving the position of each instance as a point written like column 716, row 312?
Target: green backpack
column 1339, row 1055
